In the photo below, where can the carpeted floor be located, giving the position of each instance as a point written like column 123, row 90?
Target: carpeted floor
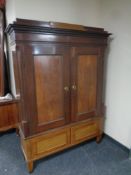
column 89, row 158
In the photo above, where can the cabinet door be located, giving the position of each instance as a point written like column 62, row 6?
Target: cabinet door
column 86, row 82
column 46, row 84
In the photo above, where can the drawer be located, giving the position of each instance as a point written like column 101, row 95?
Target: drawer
column 50, row 142
column 8, row 116
column 83, row 131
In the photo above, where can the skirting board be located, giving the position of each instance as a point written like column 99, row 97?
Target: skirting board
column 130, row 153
column 119, row 144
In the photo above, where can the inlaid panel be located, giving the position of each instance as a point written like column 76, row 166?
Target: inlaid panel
column 83, row 131
column 87, row 83
column 49, row 87
column 50, row 142
column 53, row 142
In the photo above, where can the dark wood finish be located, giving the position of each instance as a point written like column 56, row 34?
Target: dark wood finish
column 85, row 82
column 15, row 57
column 9, row 116
column 60, row 69
column 51, row 78
column 47, row 101
column 55, row 25
column 1, row 53
column 48, row 81
column 2, row 4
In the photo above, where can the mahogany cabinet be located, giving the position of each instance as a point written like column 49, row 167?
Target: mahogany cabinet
column 60, row 73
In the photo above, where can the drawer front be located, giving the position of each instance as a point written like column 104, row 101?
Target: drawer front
column 50, row 143
column 83, row 131
column 8, row 116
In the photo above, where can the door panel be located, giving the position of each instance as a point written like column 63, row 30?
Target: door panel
column 87, row 78
column 49, row 88
column 47, row 105
column 84, row 65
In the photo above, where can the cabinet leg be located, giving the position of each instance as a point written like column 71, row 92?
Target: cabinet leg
column 17, row 131
column 98, row 138
column 30, row 166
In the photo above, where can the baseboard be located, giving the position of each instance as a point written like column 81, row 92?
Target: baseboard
column 119, row 144
column 130, row 153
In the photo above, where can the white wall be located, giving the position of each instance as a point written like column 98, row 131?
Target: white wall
column 10, row 12
column 70, row 11
column 115, row 17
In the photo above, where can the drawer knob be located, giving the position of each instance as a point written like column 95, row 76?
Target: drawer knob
column 74, row 87
column 66, row 88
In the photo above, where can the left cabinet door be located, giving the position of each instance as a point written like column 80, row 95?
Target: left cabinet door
column 45, row 94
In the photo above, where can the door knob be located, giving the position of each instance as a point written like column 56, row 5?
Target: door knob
column 66, row 88
column 74, row 87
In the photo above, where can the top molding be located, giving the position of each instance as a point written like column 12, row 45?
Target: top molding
column 32, row 26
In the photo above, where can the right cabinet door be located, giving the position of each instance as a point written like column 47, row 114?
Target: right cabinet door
column 86, row 82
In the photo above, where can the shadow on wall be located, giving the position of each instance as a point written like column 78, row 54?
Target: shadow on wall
column 107, row 55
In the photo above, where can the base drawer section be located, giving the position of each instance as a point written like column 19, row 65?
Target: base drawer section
column 59, row 139
column 83, row 131
column 50, row 142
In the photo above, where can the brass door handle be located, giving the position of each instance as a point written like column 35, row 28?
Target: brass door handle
column 66, row 88
column 74, row 87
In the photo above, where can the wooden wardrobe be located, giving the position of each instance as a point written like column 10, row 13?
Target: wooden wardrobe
column 59, row 79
